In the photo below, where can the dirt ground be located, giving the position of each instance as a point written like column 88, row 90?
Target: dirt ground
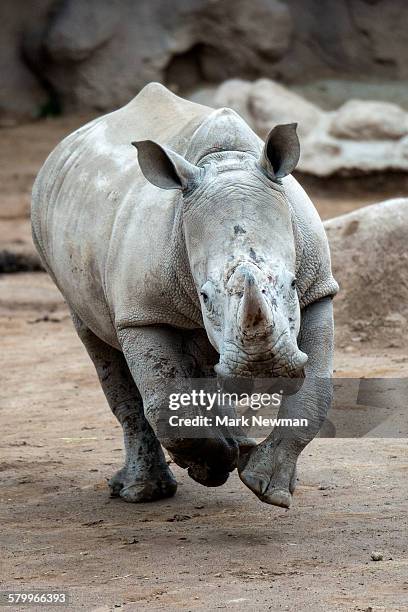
column 205, row 549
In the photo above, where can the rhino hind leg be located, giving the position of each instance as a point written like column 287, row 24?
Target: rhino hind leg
column 145, row 476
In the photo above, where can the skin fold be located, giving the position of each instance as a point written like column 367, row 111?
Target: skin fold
column 191, row 254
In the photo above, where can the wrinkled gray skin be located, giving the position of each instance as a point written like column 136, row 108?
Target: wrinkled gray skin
column 195, row 253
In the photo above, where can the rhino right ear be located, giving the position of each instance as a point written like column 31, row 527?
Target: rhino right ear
column 281, row 151
column 165, row 168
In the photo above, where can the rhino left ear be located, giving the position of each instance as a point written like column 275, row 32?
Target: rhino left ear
column 281, row 152
column 165, row 168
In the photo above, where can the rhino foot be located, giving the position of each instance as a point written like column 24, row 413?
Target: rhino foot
column 209, row 461
column 143, row 488
column 269, row 471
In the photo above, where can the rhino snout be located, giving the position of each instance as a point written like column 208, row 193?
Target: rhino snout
column 261, row 362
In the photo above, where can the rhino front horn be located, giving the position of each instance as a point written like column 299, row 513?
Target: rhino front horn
column 254, row 315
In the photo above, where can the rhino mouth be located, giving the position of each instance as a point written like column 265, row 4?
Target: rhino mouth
column 244, row 381
column 266, row 361
column 235, row 370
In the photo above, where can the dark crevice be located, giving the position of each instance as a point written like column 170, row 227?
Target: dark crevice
column 185, row 70
column 34, row 56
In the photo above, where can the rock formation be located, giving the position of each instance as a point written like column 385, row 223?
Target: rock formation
column 359, row 137
column 370, row 262
column 72, row 54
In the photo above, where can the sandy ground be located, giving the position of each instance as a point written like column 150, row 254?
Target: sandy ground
column 205, row 549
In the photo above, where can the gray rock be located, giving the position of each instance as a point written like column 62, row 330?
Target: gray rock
column 98, row 54
column 367, row 120
column 115, row 48
column 21, row 94
column 266, row 103
column 360, row 137
column 369, row 261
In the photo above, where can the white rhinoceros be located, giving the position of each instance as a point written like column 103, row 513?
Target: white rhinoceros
column 198, row 254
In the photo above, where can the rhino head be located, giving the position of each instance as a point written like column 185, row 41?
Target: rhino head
column 239, row 236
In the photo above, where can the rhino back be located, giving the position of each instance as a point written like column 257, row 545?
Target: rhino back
column 98, row 225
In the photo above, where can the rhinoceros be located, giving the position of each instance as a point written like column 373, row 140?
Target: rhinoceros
column 184, row 248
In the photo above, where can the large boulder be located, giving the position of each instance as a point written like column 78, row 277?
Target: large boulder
column 98, row 54
column 264, row 103
column 369, row 120
column 359, row 137
column 370, row 262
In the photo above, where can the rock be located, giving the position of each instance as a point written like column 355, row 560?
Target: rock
column 360, row 137
column 203, row 95
column 370, row 263
column 330, row 94
column 234, row 93
column 96, row 55
column 113, row 48
column 265, row 103
column 81, row 28
column 21, row 94
column 366, row 39
column 366, row 120
column 383, row 25
column 377, row 556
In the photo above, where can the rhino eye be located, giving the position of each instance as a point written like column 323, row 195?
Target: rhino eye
column 205, row 297
column 293, row 284
column 207, row 294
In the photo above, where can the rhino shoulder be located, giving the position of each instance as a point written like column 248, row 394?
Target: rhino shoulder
column 314, row 274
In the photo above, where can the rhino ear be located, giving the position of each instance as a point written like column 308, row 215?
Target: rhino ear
column 281, row 152
column 165, row 168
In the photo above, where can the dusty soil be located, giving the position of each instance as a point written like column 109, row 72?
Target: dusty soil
column 204, row 549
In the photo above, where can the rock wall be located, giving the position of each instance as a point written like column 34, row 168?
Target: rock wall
column 97, row 54
column 22, row 93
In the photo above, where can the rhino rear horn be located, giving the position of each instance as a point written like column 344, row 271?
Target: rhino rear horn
column 281, row 152
column 165, row 168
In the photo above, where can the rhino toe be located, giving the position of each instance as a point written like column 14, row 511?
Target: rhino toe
column 138, row 490
column 269, row 473
column 143, row 491
column 277, row 497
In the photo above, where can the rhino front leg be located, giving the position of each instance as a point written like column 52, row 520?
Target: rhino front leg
column 163, row 360
column 269, row 470
column 145, row 475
